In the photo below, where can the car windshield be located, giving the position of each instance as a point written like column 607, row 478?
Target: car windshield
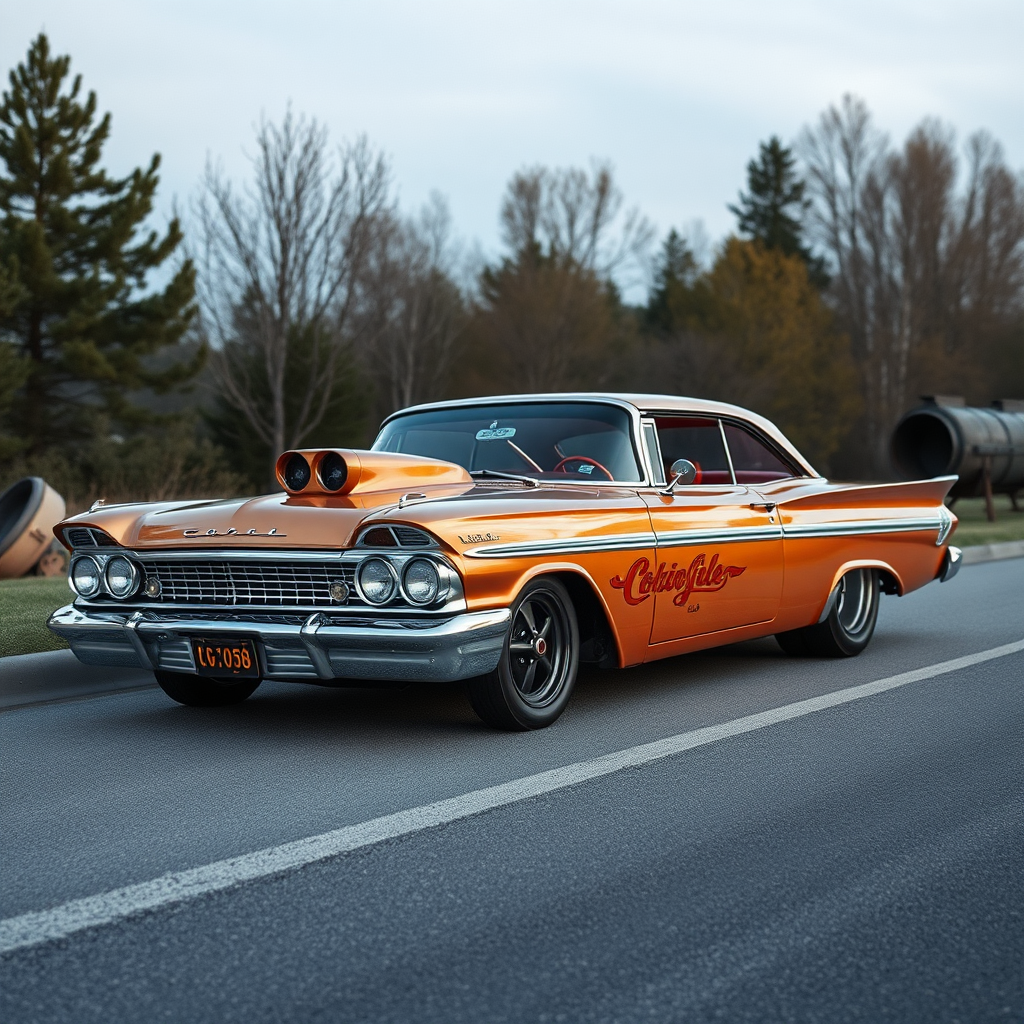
column 584, row 441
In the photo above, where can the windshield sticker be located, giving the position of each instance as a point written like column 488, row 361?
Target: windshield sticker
column 640, row 582
column 495, row 433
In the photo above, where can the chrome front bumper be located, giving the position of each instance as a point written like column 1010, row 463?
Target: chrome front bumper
column 320, row 649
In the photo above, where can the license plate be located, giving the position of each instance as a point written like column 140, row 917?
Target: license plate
column 233, row 658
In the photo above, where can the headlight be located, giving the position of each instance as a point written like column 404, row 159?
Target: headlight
column 85, row 576
column 377, row 580
column 122, row 577
column 421, row 581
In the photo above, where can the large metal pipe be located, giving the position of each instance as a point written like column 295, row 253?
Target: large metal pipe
column 29, row 510
column 939, row 439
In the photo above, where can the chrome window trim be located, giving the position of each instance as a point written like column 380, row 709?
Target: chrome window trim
column 655, row 463
column 788, row 457
column 728, row 452
column 769, row 443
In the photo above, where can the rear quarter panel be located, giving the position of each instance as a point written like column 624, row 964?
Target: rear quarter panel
column 832, row 528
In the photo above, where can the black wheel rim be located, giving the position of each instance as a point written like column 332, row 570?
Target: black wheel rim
column 538, row 653
column 857, row 595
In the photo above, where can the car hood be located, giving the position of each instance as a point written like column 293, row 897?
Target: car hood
column 270, row 521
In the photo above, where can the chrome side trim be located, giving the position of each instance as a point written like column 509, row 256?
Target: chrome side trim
column 685, row 538
column 564, row 546
column 853, row 528
column 731, row 535
column 945, row 525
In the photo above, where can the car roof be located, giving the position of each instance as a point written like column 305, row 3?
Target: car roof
column 643, row 403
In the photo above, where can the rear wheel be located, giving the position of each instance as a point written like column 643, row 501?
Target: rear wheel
column 534, row 679
column 849, row 625
column 204, row 691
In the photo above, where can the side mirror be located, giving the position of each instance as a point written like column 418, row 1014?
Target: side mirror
column 683, row 472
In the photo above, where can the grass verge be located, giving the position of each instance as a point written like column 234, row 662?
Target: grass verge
column 25, row 605
column 974, row 528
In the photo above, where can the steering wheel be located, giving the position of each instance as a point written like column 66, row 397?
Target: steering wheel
column 560, row 468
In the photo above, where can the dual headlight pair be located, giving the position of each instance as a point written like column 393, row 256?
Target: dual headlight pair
column 420, row 581
column 119, row 577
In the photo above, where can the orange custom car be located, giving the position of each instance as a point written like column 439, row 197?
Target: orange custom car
column 502, row 541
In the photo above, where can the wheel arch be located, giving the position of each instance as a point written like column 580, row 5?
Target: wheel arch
column 599, row 642
column 890, row 579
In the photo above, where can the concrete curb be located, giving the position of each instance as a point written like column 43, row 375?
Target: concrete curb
column 28, row 679
column 994, row 552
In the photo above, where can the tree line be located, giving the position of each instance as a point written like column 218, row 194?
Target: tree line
column 300, row 306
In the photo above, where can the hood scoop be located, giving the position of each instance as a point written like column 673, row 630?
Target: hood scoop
column 342, row 471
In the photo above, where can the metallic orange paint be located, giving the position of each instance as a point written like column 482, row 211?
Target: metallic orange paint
column 712, row 559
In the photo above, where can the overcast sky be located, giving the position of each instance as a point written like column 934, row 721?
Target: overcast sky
column 459, row 95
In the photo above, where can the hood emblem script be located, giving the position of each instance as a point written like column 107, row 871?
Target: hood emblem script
column 232, row 532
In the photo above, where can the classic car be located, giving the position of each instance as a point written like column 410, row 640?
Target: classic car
column 502, row 541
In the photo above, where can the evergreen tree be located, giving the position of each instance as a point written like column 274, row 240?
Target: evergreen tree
column 71, row 236
column 771, row 212
column 680, row 299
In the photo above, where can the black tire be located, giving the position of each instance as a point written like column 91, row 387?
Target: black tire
column 534, row 679
column 204, row 691
column 794, row 643
column 847, row 628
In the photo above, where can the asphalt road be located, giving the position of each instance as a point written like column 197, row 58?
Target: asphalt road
column 861, row 863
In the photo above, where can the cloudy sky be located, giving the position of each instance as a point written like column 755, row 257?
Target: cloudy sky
column 459, row 95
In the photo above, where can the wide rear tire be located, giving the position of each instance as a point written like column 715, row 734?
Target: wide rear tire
column 535, row 676
column 848, row 627
column 203, row 691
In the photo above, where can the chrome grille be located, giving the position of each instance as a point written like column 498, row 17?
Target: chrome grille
column 249, row 584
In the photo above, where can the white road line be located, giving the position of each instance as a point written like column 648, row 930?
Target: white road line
column 59, row 922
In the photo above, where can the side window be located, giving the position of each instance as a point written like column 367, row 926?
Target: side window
column 753, row 460
column 700, row 441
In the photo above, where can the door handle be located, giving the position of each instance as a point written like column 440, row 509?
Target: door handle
column 768, row 506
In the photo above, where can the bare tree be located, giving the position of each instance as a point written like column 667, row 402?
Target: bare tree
column 547, row 317
column 927, row 275
column 571, row 217
column 283, row 260
column 416, row 308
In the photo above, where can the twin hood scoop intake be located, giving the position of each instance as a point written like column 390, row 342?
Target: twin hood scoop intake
column 341, row 471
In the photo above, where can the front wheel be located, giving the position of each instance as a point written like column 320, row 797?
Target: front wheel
column 534, row 679
column 849, row 625
column 204, row 692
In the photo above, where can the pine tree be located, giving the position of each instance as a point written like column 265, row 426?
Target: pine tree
column 679, row 300
column 771, row 212
column 83, row 319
